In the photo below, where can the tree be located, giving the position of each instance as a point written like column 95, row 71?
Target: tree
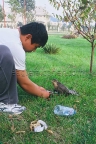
column 30, row 17
column 15, row 9
column 23, row 7
column 1, row 13
column 81, row 13
column 30, row 4
column 27, row 6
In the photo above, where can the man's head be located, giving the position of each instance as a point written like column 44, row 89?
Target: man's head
column 33, row 35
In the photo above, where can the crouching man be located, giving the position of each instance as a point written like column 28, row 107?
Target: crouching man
column 14, row 43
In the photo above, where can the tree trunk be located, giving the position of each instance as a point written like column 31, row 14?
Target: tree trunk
column 92, row 53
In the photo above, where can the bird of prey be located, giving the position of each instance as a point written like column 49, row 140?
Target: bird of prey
column 62, row 89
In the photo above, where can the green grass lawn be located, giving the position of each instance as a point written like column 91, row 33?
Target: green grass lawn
column 71, row 67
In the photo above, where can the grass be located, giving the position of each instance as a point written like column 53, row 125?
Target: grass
column 71, row 67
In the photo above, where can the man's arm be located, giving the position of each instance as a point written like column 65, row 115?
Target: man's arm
column 29, row 86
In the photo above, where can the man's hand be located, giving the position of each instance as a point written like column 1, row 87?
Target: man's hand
column 46, row 93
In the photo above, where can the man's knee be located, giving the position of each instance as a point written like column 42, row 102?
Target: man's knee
column 5, row 55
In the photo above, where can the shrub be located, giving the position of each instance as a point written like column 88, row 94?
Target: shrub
column 70, row 36
column 51, row 49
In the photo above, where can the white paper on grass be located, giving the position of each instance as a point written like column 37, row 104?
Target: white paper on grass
column 41, row 127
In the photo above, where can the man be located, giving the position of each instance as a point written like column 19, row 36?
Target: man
column 13, row 45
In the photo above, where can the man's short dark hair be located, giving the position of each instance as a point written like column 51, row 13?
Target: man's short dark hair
column 38, row 32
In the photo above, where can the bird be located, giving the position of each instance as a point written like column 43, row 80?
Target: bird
column 62, row 89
